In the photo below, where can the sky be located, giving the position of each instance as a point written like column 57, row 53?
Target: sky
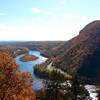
column 42, row 20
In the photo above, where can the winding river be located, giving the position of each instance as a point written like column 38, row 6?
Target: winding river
column 28, row 67
column 37, row 84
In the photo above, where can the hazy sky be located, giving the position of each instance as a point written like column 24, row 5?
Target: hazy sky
column 45, row 19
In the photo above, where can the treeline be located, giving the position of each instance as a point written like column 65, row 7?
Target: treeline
column 14, row 51
column 43, row 71
column 57, row 88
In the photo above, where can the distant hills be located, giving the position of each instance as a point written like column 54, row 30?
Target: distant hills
column 80, row 55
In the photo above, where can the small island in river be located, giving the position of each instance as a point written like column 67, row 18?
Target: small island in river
column 28, row 57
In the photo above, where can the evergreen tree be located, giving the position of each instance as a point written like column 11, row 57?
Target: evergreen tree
column 54, row 88
column 78, row 90
column 59, row 88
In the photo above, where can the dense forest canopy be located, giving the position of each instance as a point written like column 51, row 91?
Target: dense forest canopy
column 14, row 85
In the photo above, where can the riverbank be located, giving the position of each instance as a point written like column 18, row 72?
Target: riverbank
column 29, row 67
column 43, row 71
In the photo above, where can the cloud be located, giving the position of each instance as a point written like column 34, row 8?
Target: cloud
column 74, row 17
column 33, row 32
column 40, row 11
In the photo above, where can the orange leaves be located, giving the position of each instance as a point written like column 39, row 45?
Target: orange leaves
column 7, row 64
column 6, row 60
column 2, row 76
column 14, row 85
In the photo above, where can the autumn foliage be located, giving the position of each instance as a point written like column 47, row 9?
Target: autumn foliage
column 14, row 85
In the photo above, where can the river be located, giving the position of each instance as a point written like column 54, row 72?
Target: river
column 28, row 67
column 92, row 92
column 37, row 84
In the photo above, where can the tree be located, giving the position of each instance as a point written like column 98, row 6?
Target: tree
column 58, row 88
column 14, row 85
column 54, row 89
column 51, row 89
column 77, row 89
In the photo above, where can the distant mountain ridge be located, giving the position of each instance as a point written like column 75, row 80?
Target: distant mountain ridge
column 82, row 53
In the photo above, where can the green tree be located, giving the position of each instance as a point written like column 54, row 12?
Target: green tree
column 60, row 88
column 77, row 89
column 54, row 90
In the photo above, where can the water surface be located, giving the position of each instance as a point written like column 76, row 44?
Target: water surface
column 29, row 67
column 37, row 84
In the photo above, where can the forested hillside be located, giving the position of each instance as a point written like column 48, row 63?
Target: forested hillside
column 80, row 54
